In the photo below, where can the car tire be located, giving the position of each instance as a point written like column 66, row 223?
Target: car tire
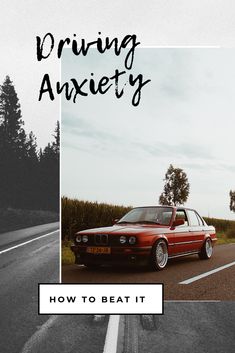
column 206, row 250
column 159, row 256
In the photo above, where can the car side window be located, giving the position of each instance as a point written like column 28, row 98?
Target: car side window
column 193, row 218
column 201, row 223
column 181, row 214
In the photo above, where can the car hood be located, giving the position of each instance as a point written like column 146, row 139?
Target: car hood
column 127, row 229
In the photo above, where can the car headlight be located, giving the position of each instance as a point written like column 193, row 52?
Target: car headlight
column 78, row 238
column 85, row 238
column 132, row 240
column 122, row 239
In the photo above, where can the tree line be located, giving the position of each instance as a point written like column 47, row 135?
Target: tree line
column 29, row 177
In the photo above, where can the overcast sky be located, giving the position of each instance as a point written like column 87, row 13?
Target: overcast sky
column 116, row 153
column 203, row 22
column 119, row 153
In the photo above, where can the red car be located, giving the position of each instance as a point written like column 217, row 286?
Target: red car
column 146, row 235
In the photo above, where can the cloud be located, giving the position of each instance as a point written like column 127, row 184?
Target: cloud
column 78, row 127
column 214, row 165
column 162, row 149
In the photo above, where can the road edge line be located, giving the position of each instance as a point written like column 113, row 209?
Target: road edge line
column 27, row 242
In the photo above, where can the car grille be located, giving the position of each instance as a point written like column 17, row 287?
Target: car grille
column 101, row 239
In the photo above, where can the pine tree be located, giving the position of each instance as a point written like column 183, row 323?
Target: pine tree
column 31, row 147
column 29, row 179
column 176, row 188
column 56, row 143
column 49, row 173
column 29, row 191
column 10, row 113
column 12, row 145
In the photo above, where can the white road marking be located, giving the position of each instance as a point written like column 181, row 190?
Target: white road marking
column 111, row 338
column 27, row 242
column 196, row 278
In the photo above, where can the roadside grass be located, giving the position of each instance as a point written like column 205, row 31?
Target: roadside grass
column 224, row 238
column 67, row 256
column 13, row 219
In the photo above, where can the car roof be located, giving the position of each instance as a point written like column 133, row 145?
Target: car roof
column 168, row 206
column 185, row 208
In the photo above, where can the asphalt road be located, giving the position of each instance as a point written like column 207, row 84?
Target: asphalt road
column 21, row 269
column 194, row 327
column 185, row 327
column 218, row 286
column 191, row 327
column 68, row 334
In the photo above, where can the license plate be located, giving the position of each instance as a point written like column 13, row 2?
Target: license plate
column 98, row 250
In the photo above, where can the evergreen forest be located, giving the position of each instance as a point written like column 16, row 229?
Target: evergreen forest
column 29, row 176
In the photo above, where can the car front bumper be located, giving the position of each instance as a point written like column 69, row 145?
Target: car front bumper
column 118, row 256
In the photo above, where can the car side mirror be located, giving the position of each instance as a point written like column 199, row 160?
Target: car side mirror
column 115, row 220
column 178, row 222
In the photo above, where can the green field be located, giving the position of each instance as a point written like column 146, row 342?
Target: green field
column 78, row 215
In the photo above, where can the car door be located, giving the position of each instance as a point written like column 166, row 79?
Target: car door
column 196, row 228
column 181, row 234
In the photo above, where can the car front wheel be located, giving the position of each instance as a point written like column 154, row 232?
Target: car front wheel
column 159, row 255
column 206, row 251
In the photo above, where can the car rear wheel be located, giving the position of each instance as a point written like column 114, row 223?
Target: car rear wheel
column 206, row 251
column 159, row 255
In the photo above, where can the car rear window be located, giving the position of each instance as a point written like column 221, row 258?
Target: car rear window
column 193, row 218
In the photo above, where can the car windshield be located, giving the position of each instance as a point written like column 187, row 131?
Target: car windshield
column 148, row 215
